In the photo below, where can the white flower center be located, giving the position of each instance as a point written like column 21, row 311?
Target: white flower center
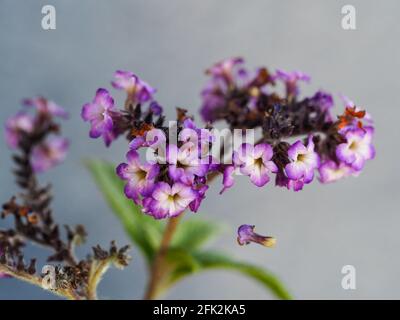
column 258, row 162
column 141, row 175
column 353, row 146
column 301, row 157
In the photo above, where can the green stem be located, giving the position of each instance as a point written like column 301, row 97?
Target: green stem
column 157, row 270
column 157, row 273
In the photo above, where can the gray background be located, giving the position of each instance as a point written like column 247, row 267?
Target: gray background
column 170, row 43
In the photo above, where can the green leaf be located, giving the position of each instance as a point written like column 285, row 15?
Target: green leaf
column 143, row 230
column 181, row 258
column 193, row 233
column 215, row 260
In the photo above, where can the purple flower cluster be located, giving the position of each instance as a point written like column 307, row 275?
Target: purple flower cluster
column 355, row 128
column 34, row 133
column 179, row 173
column 256, row 162
column 335, row 148
column 163, row 188
column 31, row 130
column 166, row 187
column 227, row 76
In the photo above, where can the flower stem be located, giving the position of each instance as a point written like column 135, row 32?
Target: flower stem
column 37, row 281
column 157, row 268
column 97, row 270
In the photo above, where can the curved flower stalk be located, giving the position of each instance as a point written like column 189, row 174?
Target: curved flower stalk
column 39, row 147
column 177, row 175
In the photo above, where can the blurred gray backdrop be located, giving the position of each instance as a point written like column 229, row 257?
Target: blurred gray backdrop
column 169, row 44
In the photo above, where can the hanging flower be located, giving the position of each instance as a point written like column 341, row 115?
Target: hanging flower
column 246, row 235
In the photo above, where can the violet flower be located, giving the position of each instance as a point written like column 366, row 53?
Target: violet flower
column 246, row 235
column 324, row 101
column 212, row 98
column 141, row 141
column 33, row 129
column 155, row 108
column 228, row 180
column 225, row 75
column 225, row 69
column 200, row 196
column 190, row 133
column 99, row 114
column 49, row 154
column 16, row 125
column 140, row 177
column 330, row 171
column 138, row 90
column 169, row 200
column 137, row 143
column 184, row 163
column 303, row 161
column 46, row 106
column 358, row 147
column 255, row 162
column 291, row 80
